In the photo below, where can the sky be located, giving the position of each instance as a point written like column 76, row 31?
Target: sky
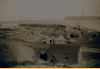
column 46, row 9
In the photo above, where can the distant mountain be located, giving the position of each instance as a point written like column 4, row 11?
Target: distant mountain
column 83, row 18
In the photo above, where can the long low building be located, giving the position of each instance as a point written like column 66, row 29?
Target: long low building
column 31, row 23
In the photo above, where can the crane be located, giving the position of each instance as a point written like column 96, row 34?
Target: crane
column 78, row 22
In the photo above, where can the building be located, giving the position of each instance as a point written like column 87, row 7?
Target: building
column 68, row 54
column 55, row 40
column 49, row 40
column 60, row 40
column 96, row 34
column 89, row 52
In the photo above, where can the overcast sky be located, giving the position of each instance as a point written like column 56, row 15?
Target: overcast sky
column 47, row 9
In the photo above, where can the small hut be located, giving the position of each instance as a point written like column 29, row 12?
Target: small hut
column 49, row 40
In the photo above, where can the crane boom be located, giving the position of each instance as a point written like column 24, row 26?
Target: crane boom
column 81, row 17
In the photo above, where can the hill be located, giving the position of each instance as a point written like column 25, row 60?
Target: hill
column 83, row 18
column 11, row 51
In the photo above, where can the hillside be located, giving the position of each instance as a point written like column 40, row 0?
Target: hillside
column 11, row 51
column 83, row 18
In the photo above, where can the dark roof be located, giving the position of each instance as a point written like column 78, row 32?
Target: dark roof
column 64, row 48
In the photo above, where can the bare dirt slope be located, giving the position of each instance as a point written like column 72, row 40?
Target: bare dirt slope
column 15, row 51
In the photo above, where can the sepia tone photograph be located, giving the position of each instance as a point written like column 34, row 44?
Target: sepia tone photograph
column 49, row 33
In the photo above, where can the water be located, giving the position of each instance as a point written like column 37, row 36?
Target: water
column 93, row 24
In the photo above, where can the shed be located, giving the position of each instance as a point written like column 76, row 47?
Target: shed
column 64, row 53
column 49, row 40
column 60, row 40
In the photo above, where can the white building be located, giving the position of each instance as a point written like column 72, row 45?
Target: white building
column 60, row 40
column 55, row 40
column 49, row 40
column 88, row 52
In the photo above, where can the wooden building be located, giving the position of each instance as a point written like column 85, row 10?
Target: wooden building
column 68, row 54
column 60, row 40
column 49, row 40
column 55, row 40
column 89, row 52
